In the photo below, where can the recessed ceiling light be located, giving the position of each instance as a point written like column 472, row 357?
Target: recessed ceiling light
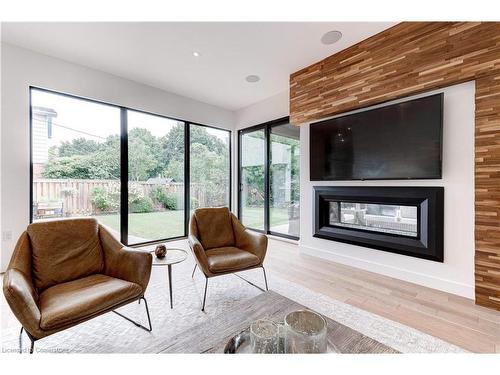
column 252, row 78
column 331, row 37
column 196, row 54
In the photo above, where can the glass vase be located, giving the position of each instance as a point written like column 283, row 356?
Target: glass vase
column 264, row 337
column 305, row 332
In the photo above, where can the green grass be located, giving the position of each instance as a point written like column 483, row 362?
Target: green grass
column 254, row 217
column 149, row 226
column 167, row 224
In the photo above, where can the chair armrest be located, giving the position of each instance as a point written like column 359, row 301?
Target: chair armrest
column 123, row 262
column 22, row 299
column 253, row 242
column 199, row 253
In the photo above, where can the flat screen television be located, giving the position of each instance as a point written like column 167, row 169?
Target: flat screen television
column 397, row 141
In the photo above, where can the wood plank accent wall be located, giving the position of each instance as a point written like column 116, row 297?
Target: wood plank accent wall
column 410, row 58
column 487, row 191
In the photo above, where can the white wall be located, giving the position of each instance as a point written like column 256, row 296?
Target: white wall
column 456, row 274
column 22, row 68
column 272, row 108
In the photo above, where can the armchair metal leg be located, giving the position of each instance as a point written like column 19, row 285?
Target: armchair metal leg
column 195, row 265
column 21, row 340
column 265, row 278
column 137, row 324
column 205, row 294
column 32, row 346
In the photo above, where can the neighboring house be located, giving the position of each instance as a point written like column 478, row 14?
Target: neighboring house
column 42, row 133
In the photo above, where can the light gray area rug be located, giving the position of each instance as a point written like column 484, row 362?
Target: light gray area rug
column 111, row 334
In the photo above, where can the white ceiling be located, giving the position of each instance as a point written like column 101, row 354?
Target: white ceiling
column 161, row 54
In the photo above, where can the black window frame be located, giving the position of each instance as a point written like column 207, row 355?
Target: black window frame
column 124, row 162
column 267, row 126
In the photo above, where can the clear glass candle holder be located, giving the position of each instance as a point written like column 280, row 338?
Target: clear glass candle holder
column 305, row 332
column 264, row 337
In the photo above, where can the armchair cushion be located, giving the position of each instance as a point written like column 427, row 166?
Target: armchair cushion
column 215, row 228
column 75, row 301
column 64, row 250
column 227, row 259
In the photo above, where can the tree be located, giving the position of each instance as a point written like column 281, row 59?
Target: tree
column 149, row 156
column 100, row 165
column 78, row 146
column 210, row 170
column 173, row 143
column 145, row 155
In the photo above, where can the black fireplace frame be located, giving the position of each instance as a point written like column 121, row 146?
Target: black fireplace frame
column 428, row 244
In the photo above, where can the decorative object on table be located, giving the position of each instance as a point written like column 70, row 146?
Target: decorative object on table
column 241, row 342
column 305, row 332
column 264, row 337
column 161, row 251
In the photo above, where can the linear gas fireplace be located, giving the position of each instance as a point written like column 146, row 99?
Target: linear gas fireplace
column 403, row 220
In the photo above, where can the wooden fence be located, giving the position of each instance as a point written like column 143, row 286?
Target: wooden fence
column 75, row 195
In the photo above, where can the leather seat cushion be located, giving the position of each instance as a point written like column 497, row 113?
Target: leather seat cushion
column 77, row 300
column 227, row 259
column 64, row 250
column 215, row 227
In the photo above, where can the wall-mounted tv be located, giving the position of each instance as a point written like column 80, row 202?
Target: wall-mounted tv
column 398, row 141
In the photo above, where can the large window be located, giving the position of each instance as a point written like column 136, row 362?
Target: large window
column 75, row 158
column 210, row 165
column 269, row 178
column 128, row 169
column 155, row 177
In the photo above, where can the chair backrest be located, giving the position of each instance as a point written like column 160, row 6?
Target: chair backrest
column 64, row 250
column 215, row 228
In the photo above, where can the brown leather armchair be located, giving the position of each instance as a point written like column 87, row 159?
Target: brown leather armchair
column 64, row 272
column 222, row 245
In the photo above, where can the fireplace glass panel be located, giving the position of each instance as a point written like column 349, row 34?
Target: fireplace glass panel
column 394, row 219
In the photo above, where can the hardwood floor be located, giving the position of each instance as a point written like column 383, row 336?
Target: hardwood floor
column 454, row 319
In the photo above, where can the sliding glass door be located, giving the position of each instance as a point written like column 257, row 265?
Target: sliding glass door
column 269, row 178
column 130, row 169
column 252, row 178
column 284, row 177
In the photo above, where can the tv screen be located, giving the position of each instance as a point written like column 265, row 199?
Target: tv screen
column 398, row 141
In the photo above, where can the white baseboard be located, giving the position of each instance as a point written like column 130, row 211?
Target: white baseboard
column 432, row 282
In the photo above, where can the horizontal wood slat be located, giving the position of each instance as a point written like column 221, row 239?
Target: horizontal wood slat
column 410, row 58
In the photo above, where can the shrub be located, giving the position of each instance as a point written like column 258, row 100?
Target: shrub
column 163, row 197
column 98, row 197
column 141, row 205
column 105, row 199
column 194, row 203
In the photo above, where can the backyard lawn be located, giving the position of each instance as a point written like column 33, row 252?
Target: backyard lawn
column 166, row 224
column 148, row 226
